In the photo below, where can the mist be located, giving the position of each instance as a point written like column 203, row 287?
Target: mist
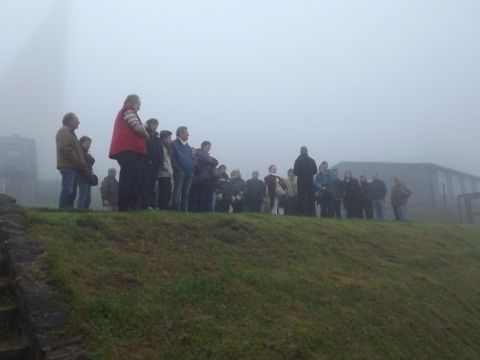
column 394, row 81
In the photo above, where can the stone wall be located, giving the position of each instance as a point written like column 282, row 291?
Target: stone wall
column 36, row 318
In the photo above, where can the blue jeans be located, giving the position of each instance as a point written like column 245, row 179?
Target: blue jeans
column 84, row 194
column 400, row 212
column 69, row 187
column 181, row 190
column 379, row 209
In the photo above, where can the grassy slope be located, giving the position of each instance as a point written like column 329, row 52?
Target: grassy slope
column 147, row 286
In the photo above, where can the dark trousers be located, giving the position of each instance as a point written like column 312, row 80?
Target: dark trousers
column 237, row 206
column 306, row 202
column 205, row 194
column 194, row 197
column 292, row 206
column 254, row 205
column 164, row 193
column 336, row 209
column 325, row 202
column 354, row 211
column 128, row 180
column 148, row 180
column 367, row 209
column 223, row 205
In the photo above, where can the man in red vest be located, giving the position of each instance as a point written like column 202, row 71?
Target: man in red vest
column 128, row 147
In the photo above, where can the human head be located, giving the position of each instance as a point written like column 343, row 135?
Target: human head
column 222, row 169
column 335, row 173
column 376, row 177
column 323, row 166
column 206, row 145
column 133, row 100
column 152, row 124
column 235, row 174
column 85, row 142
column 290, row 174
column 272, row 169
column 70, row 120
column 112, row 172
column 166, row 136
column 348, row 175
column 182, row 133
column 396, row 180
column 304, row 150
column 255, row 175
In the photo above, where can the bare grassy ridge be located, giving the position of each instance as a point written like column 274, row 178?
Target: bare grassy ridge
column 162, row 285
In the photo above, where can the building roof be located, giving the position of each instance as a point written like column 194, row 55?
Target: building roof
column 423, row 166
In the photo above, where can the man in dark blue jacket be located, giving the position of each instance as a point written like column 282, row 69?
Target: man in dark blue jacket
column 206, row 177
column 183, row 161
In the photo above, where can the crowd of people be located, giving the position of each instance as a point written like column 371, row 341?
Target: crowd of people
column 158, row 172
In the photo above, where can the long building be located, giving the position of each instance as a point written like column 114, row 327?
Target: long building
column 434, row 188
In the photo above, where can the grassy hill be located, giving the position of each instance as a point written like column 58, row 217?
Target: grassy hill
column 162, row 285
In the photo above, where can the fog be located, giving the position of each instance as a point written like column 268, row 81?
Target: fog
column 352, row 80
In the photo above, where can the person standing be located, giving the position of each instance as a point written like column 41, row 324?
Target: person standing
column 399, row 196
column 109, row 191
column 305, row 169
column 237, row 192
column 352, row 201
column 292, row 193
column 183, row 167
column 206, row 184
column 71, row 161
column 254, row 193
column 379, row 192
column 165, row 172
column 276, row 190
column 338, row 194
column 85, row 180
column 366, row 198
column 128, row 147
column 222, row 200
column 323, row 182
column 150, row 166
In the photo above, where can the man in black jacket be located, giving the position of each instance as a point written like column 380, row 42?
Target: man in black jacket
column 338, row 194
column 379, row 192
column 222, row 202
column 255, row 192
column 366, row 198
column 305, row 168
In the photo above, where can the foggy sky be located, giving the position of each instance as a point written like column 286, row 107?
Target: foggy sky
column 353, row 80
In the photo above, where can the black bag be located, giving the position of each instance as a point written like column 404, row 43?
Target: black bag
column 93, row 179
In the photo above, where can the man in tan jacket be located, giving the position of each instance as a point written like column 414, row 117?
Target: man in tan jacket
column 70, row 159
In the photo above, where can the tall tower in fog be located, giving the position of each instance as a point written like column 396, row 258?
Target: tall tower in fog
column 32, row 89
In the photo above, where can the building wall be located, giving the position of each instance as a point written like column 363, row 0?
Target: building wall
column 417, row 178
column 18, row 169
column 434, row 189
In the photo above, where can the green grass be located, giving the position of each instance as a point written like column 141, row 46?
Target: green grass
column 162, row 285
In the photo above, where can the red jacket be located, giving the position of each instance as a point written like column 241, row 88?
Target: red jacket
column 124, row 138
